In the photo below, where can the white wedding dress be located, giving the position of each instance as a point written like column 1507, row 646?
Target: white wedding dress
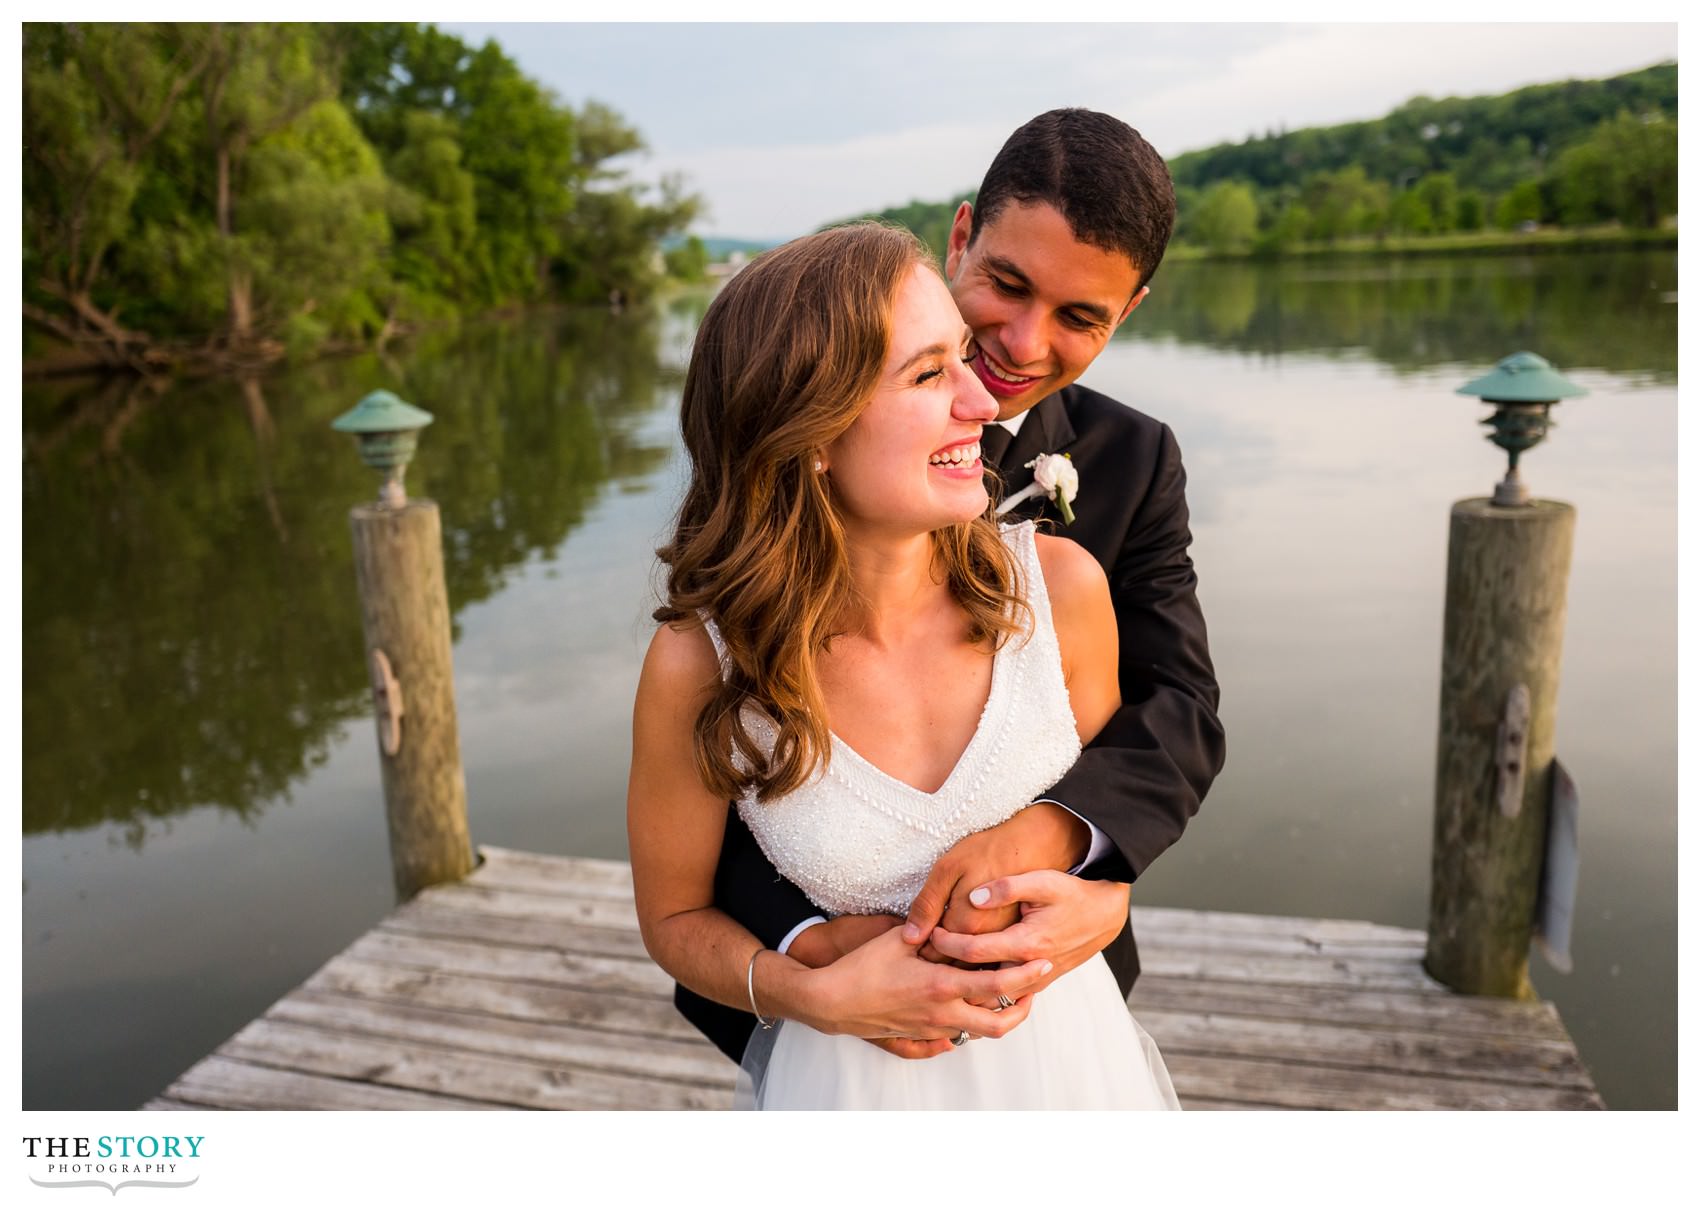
column 857, row 840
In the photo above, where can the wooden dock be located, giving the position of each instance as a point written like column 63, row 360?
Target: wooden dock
column 527, row 986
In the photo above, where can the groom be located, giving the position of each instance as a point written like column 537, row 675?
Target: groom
column 1068, row 227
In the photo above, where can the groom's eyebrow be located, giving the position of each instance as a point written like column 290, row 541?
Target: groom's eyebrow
column 1007, row 268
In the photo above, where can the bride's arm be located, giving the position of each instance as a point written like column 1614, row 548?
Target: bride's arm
column 675, row 825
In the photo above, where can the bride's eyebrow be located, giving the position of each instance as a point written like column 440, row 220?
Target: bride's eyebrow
column 921, row 355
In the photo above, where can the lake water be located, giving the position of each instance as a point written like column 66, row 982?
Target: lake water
column 202, row 817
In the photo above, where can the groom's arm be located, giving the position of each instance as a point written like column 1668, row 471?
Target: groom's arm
column 1144, row 775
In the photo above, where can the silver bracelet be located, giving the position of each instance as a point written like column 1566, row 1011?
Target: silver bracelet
column 750, row 981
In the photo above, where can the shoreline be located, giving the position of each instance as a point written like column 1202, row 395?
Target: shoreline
column 1453, row 244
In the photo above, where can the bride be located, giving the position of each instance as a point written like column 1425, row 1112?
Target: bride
column 855, row 653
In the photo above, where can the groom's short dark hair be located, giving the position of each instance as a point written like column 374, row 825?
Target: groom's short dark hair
column 1108, row 182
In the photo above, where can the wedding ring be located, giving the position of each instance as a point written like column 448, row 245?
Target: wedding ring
column 1004, row 1003
column 962, row 1037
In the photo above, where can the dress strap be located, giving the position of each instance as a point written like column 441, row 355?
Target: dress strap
column 719, row 642
column 1021, row 539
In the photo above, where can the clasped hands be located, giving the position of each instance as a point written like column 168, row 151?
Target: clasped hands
column 997, row 899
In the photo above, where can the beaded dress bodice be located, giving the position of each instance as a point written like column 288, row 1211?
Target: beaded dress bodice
column 857, row 840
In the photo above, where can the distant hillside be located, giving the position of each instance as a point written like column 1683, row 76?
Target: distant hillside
column 720, row 247
column 1574, row 153
column 1487, row 143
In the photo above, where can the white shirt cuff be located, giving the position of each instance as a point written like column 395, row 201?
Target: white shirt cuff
column 1100, row 846
column 785, row 943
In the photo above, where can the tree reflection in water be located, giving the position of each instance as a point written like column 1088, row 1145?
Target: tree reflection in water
column 191, row 629
column 1605, row 311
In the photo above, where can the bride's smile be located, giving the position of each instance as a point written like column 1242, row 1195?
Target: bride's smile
column 910, row 463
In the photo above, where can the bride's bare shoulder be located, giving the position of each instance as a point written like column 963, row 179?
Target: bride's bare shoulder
column 680, row 662
column 1071, row 573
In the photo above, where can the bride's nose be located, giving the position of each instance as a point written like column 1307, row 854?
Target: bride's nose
column 972, row 402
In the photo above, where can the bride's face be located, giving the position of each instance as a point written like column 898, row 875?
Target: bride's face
column 911, row 461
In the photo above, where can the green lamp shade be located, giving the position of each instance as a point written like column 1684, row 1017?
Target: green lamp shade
column 382, row 412
column 1523, row 378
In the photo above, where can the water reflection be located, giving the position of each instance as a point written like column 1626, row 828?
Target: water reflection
column 1606, row 311
column 191, row 634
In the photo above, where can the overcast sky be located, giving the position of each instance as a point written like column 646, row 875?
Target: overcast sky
column 785, row 127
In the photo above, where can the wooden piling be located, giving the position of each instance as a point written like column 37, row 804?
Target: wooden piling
column 398, row 557
column 1507, row 569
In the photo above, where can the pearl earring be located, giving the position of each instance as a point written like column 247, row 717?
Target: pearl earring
column 819, row 466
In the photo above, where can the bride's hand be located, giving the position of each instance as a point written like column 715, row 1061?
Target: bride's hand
column 884, row 989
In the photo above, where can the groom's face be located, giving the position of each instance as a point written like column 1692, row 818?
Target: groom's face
column 1042, row 303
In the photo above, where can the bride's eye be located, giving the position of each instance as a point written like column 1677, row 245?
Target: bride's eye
column 925, row 375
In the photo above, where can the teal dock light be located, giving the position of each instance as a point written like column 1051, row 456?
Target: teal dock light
column 1522, row 388
column 387, row 427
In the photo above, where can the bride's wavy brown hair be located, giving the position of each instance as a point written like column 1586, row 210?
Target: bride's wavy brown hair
column 787, row 356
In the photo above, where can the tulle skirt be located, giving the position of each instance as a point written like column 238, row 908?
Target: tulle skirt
column 1079, row 1050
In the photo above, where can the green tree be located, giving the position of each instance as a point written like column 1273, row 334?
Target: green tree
column 1438, row 194
column 433, row 212
column 1290, row 227
column 1411, row 214
column 262, row 79
column 227, row 192
column 1471, row 211
column 1521, row 205
column 689, row 261
column 1344, row 203
column 1583, row 184
column 1226, row 220
column 1625, row 171
column 96, row 99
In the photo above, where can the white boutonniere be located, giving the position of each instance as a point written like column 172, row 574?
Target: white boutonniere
column 1054, row 476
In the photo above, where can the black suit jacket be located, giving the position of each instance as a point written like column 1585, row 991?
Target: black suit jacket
column 1144, row 776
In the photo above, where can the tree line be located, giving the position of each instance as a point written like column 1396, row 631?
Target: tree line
column 1579, row 153
column 229, row 194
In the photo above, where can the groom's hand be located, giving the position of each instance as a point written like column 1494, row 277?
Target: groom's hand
column 1039, row 837
column 1064, row 919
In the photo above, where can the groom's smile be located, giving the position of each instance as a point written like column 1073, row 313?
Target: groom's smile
column 1042, row 302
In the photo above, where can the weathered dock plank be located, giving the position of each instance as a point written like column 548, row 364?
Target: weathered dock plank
column 526, row 985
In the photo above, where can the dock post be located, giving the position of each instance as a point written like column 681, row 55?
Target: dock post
column 1506, row 572
column 1507, row 566
column 398, row 560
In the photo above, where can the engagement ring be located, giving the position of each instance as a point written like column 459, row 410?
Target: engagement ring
column 1004, row 1003
column 962, row 1037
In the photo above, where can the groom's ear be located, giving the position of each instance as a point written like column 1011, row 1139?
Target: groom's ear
column 958, row 243
column 1138, row 298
